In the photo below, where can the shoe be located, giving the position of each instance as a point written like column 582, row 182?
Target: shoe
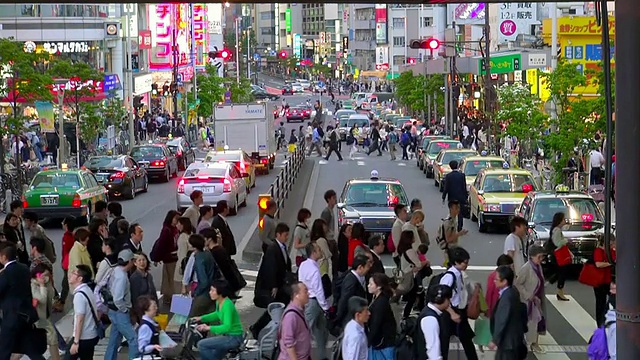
column 537, row 349
column 560, row 295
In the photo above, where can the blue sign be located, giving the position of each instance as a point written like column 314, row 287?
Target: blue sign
column 111, row 82
column 577, row 52
column 272, row 53
column 321, row 83
column 227, row 97
column 256, row 57
column 179, row 78
column 568, row 52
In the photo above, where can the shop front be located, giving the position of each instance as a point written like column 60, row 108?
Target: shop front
column 81, row 51
column 142, row 86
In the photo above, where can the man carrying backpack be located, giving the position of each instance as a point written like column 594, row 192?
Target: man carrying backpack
column 433, row 330
column 459, row 324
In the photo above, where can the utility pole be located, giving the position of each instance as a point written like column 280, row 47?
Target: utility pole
column 174, row 85
column 454, row 81
column 488, row 87
column 553, row 7
column 248, row 52
column 194, row 54
column 238, row 50
column 129, row 75
column 627, row 20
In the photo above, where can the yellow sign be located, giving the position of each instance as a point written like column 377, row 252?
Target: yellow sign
column 538, row 84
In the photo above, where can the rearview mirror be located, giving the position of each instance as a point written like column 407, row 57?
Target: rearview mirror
column 531, row 225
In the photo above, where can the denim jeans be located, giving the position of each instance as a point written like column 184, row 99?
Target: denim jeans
column 121, row 326
column 216, row 347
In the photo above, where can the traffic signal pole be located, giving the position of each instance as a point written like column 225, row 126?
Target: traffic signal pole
column 627, row 53
column 488, row 88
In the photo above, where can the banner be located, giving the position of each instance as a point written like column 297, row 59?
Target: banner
column 45, row 116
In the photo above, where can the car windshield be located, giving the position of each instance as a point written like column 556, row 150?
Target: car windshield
column 359, row 122
column 507, row 183
column 340, row 113
column 104, row 162
column 68, row 180
column 455, row 155
column 344, row 121
column 205, row 171
column 473, row 167
column 435, row 147
column 375, row 194
column 575, row 210
column 147, row 151
column 223, row 157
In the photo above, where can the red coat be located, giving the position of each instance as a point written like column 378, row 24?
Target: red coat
column 353, row 244
column 493, row 294
column 67, row 244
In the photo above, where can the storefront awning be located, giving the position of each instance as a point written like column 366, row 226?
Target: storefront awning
column 373, row 73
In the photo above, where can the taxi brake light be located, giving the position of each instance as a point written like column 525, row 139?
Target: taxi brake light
column 264, row 161
column 181, row 186
column 160, row 163
column 76, row 202
column 527, row 188
column 118, row 175
column 179, row 153
column 227, row 185
column 25, row 203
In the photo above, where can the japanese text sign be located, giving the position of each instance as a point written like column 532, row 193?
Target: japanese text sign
column 502, row 64
column 168, row 25
column 199, row 24
column 582, row 26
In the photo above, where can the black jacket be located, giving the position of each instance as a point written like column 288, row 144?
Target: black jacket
column 16, row 301
column 94, row 247
column 444, row 321
column 455, row 187
column 228, row 241
column 274, row 273
column 377, row 266
column 508, row 321
column 226, row 266
column 351, row 286
column 381, row 325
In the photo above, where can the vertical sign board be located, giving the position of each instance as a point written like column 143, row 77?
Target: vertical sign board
column 200, row 34
column 381, row 24
column 515, row 19
column 287, row 20
column 382, row 55
column 168, row 24
column 215, row 39
column 297, row 46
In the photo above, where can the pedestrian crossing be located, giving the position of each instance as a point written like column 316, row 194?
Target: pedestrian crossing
column 564, row 320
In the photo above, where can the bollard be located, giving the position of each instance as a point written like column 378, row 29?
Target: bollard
column 7, row 201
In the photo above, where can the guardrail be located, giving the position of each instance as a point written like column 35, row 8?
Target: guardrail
column 283, row 184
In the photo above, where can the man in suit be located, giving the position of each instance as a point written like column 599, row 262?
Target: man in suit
column 509, row 318
column 353, row 284
column 16, row 303
column 376, row 244
column 273, row 277
column 220, row 222
column 455, row 187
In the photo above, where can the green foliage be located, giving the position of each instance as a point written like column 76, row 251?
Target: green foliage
column 113, row 111
column 210, row 91
column 521, row 111
column 83, row 80
column 575, row 115
column 240, row 93
column 321, row 69
column 411, row 91
column 21, row 79
column 596, row 77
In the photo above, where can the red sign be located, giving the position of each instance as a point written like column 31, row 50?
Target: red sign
column 383, row 67
column 96, row 88
column 144, row 39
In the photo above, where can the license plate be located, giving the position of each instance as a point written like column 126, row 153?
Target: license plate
column 206, row 189
column 49, row 200
column 100, row 178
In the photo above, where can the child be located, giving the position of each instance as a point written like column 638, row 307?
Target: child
column 148, row 331
column 422, row 252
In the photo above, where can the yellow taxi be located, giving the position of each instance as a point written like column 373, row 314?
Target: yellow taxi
column 241, row 159
column 471, row 166
column 496, row 193
column 441, row 165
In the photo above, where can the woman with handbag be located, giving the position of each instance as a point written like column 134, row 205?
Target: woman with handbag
column 411, row 264
column 530, row 283
column 381, row 334
column 560, row 255
column 600, row 276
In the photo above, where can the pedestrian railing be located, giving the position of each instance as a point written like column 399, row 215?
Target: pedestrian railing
column 283, row 184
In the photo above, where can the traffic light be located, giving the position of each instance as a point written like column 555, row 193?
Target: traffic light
column 224, row 54
column 263, row 203
column 283, row 54
column 429, row 44
column 411, row 61
column 154, row 89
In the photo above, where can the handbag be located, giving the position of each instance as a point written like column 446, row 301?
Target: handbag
column 405, row 283
column 101, row 329
column 482, row 329
column 390, row 245
column 590, row 275
column 563, row 255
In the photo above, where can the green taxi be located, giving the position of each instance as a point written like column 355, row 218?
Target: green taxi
column 496, row 193
column 60, row 193
column 422, row 145
column 349, row 104
column 433, row 149
column 471, row 165
column 441, row 165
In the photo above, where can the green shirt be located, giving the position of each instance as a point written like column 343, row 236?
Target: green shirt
column 227, row 317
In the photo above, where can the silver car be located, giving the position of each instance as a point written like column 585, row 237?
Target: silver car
column 217, row 181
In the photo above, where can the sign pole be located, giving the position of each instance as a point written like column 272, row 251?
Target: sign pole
column 553, row 7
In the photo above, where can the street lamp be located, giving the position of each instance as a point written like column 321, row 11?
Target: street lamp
column 61, row 83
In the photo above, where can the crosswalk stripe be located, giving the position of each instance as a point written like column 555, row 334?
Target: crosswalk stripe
column 577, row 316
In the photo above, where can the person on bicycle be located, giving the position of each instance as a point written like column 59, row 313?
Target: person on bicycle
column 228, row 332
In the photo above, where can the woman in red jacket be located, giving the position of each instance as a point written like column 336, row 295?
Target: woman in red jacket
column 606, row 269
column 493, row 293
column 165, row 250
column 356, row 244
column 68, row 225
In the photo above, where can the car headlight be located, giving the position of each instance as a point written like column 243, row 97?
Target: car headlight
column 491, row 208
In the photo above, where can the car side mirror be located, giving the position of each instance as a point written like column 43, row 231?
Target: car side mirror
column 531, row 225
column 439, row 164
column 340, row 205
column 480, row 192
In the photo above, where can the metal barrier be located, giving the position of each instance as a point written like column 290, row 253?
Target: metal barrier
column 283, row 184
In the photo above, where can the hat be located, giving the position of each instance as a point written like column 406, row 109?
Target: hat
column 535, row 250
column 126, row 255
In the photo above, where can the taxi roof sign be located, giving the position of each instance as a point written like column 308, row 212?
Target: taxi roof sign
column 562, row 188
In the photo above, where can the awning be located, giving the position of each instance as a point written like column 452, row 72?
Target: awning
column 373, row 73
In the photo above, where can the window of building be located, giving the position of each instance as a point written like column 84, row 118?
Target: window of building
column 398, row 23
column 399, row 41
column 427, row 21
column 398, row 59
column 266, row 15
column 266, row 31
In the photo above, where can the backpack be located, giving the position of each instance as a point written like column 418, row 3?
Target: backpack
column 405, row 347
column 336, row 349
column 598, row 348
column 183, row 263
column 276, row 349
column 441, row 237
column 435, row 281
column 104, row 299
column 393, row 138
column 155, row 255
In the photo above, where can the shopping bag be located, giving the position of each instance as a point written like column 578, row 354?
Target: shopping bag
column 563, row 255
column 181, row 305
column 590, row 275
column 482, row 328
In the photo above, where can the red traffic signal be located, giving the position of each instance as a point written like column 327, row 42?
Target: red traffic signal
column 429, row 44
column 283, row 54
column 411, row 61
column 224, row 54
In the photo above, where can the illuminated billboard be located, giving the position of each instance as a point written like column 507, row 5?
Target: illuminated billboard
column 381, row 24
column 169, row 24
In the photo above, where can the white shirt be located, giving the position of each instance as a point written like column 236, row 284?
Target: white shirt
column 396, row 231
column 465, row 131
column 431, row 331
column 354, row 342
column 459, row 298
column 596, row 159
column 514, row 243
column 81, row 307
column 309, row 274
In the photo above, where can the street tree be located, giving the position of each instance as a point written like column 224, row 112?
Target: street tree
column 113, row 110
column 597, row 78
column 83, row 86
column 413, row 91
column 522, row 112
column 574, row 122
column 211, row 91
column 240, row 93
column 21, row 82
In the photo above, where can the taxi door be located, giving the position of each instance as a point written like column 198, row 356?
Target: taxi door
column 474, row 197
